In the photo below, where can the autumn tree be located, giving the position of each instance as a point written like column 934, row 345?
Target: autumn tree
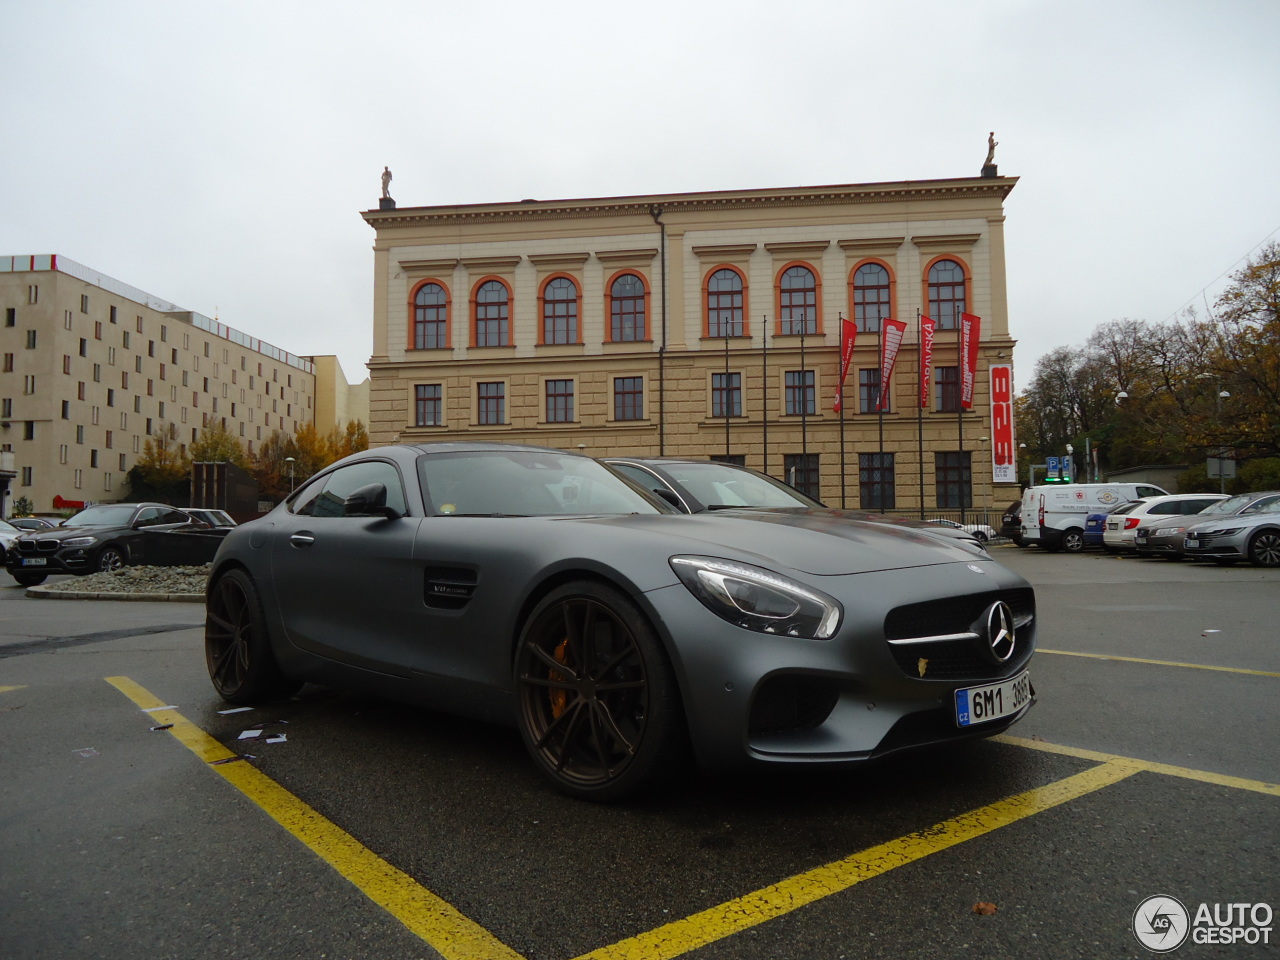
column 216, row 445
column 162, row 472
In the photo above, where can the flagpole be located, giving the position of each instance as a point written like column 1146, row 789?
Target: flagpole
column 961, row 361
column 764, row 382
column 728, row 393
column 804, row 406
column 923, row 387
column 880, row 421
column 839, row 354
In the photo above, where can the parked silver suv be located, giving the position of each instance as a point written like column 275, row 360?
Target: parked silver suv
column 1244, row 527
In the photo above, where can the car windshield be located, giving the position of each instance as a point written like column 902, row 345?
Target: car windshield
column 721, row 487
column 103, row 515
column 527, row 484
column 6, row 527
column 1230, row 505
column 1125, row 508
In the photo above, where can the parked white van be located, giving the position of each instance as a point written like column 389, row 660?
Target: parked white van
column 1053, row 515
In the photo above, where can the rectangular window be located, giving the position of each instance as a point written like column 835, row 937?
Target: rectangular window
column 491, row 403
column 123, row 467
column 78, row 482
column 628, row 398
column 63, row 450
column 84, row 347
column 97, row 373
column 66, row 409
column 875, row 481
column 726, row 395
column 801, row 471
column 31, row 339
column 111, row 397
column 29, row 383
column 97, row 329
column 948, row 392
column 10, row 316
column 66, row 365
column 800, row 393
column 8, row 363
column 869, row 390
column 108, row 443
column 6, row 408
column 427, row 401
column 84, row 303
column 113, row 315
column 106, row 481
column 79, row 433
column 29, row 430
column 93, row 458
column 953, row 479
column 737, row 459
column 33, row 293
column 559, row 401
column 26, row 476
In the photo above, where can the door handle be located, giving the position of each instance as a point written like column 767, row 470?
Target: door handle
column 302, row 539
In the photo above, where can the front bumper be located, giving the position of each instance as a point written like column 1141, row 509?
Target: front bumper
column 752, row 698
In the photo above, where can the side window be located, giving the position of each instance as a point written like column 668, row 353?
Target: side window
column 643, row 477
column 340, row 484
column 147, row 517
column 173, row 516
column 1150, row 492
column 1265, row 505
column 1170, row 509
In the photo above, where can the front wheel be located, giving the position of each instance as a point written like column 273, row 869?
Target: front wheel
column 598, row 706
column 237, row 650
column 1264, row 549
column 30, row 579
column 111, row 558
column 1073, row 540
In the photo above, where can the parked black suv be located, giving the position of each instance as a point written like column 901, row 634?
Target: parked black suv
column 107, row 536
column 1011, row 523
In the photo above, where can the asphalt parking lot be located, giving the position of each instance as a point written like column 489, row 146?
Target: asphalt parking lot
column 1148, row 767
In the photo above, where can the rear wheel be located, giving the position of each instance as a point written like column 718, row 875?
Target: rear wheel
column 237, row 650
column 598, row 706
column 1073, row 540
column 1264, row 549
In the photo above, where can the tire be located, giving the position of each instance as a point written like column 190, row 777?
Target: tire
column 237, row 650
column 1073, row 540
column 110, row 558
column 30, row 579
column 1264, row 549
column 597, row 702
column 980, row 536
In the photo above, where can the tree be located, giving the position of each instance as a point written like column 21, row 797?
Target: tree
column 216, row 445
column 162, row 472
column 270, row 467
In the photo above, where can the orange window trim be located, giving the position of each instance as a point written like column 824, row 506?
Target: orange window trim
column 475, row 291
column 777, row 294
column 448, row 311
column 746, row 300
column 968, row 284
column 542, row 300
column 608, row 304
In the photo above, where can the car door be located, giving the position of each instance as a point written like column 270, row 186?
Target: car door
column 343, row 583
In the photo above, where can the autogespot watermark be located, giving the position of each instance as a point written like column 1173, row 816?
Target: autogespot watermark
column 1162, row 924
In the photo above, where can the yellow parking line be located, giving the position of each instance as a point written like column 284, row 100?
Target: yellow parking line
column 7, row 689
column 428, row 916
column 1161, row 663
column 734, row 916
column 1150, row 766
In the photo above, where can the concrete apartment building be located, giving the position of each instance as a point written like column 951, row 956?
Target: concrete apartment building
column 708, row 324
column 93, row 366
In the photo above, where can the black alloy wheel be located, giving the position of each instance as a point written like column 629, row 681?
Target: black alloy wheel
column 598, row 705
column 1264, row 549
column 111, row 558
column 237, row 650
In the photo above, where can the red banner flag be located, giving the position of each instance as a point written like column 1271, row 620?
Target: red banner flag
column 890, row 341
column 928, row 327
column 970, row 331
column 848, row 333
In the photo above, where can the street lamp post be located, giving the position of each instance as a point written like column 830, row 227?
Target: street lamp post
column 289, row 461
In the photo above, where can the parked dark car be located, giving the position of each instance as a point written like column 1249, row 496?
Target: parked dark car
column 698, row 486
column 538, row 588
column 1011, row 523
column 218, row 519
column 107, row 536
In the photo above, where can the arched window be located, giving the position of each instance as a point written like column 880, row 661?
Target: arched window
column 870, row 297
column 946, row 294
column 430, row 318
column 627, row 308
column 724, row 304
column 560, row 311
column 492, row 314
column 798, row 301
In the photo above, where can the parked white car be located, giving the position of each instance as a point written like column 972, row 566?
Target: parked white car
column 1122, row 524
column 980, row 530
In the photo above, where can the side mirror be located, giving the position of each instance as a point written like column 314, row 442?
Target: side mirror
column 369, row 501
column 670, row 497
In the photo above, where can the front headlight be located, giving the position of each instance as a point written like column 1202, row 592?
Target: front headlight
column 80, row 542
column 758, row 599
column 1226, row 532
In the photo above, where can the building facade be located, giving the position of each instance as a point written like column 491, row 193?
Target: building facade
column 92, row 367
column 705, row 325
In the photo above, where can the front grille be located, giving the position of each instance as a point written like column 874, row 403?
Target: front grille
column 963, row 657
column 32, row 547
column 787, row 704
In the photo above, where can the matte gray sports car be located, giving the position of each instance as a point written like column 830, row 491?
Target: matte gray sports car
column 539, row 588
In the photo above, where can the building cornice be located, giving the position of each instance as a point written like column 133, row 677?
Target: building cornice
column 991, row 188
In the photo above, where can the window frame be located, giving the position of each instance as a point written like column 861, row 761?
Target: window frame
column 610, row 299
column 503, row 321
column 741, row 309
column 421, row 404
column 418, row 325
column 888, row 301
column 572, row 319
column 786, row 325
column 935, row 306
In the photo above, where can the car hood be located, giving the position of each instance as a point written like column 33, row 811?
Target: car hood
column 818, row 542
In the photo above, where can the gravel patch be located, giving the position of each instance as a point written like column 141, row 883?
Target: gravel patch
column 131, row 580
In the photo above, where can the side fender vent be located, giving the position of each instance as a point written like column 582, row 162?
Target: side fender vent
column 448, row 588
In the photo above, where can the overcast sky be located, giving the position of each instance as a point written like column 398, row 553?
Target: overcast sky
column 218, row 155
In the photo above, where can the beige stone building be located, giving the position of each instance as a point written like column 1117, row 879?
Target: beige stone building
column 703, row 325
column 93, row 366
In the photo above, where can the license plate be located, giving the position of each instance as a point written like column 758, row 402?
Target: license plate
column 1139, row 538
column 34, row 561
column 979, row 704
column 1189, row 544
